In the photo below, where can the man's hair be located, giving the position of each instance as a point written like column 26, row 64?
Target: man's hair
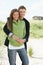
column 22, row 7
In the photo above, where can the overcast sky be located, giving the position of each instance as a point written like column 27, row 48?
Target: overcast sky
column 34, row 7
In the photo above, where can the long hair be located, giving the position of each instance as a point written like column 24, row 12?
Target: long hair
column 10, row 19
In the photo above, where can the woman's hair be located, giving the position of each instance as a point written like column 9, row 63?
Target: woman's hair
column 10, row 19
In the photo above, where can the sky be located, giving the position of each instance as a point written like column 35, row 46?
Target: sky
column 34, row 8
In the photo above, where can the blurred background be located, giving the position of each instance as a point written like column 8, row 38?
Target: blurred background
column 34, row 15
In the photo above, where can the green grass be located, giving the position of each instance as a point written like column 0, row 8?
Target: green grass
column 2, row 34
column 30, row 51
column 36, row 28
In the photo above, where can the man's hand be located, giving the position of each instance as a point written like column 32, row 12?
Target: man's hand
column 19, row 40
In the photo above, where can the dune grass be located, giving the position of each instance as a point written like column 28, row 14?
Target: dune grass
column 2, row 34
column 36, row 28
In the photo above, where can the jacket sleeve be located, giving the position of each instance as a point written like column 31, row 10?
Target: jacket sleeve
column 27, row 24
column 6, row 30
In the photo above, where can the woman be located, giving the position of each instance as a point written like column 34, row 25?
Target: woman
column 16, row 41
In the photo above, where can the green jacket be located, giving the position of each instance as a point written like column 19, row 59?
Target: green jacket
column 19, row 30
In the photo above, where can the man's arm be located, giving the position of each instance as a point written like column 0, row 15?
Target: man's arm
column 27, row 29
column 10, row 34
column 7, row 31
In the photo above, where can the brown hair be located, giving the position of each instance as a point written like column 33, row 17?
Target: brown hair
column 21, row 7
column 10, row 19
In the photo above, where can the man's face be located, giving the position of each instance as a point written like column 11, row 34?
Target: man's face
column 22, row 13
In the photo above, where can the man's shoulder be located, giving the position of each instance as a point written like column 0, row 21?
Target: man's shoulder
column 25, row 20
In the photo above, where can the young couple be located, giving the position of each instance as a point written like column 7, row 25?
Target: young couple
column 17, row 30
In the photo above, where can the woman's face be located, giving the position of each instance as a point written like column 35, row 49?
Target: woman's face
column 15, row 15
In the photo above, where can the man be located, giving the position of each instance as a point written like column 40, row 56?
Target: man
column 22, row 11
